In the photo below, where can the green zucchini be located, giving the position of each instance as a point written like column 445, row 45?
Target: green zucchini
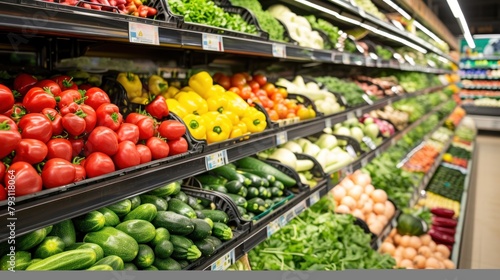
column 261, row 167
column 101, row 267
column 68, row 260
column 121, row 208
column 209, row 222
column 222, row 231
column 217, row 188
column 216, row 215
column 110, row 217
column 92, row 221
column 167, row 190
column 242, row 210
column 265, row 182
column 216, row 241
column 50, row 246
column 199, row 214
column 278, row 184
column 135, row 202
column 207, row 179
column 231, row 174
column 275, row 192
column 231, row 165
column 161, row 234
column 146, row 212
column 166, row 264
column 206, row 247
column 183, row 263
column 202, row 230
column 264, row 193
column 129, row 266
column 252, row 192
column 181, row 208
column 160, row 203
column 278, row 199
column 205, row 203
column 145, row 257
column 174, row 223
column 261, row 174
column 256, row 205
column 243, row 192
column 66, row 231
column 30, row 240
column 238, row 200
column 184, row 248
column 256, row 181
column 114, row 261
column 233, row 186
column 142, row 231
column 181, row 196
column 193, row 203
column 268, row 202
column 164, row 249
column 22, row 260
column 114, row 242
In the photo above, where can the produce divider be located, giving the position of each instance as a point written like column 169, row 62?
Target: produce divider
column 111, row 27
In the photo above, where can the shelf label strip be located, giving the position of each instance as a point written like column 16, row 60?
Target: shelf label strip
column 314, row 198
column 281, row 138
column 215, row 160
column 224, row 262
column 141, row 33
column 212, row 42
column 279, row 50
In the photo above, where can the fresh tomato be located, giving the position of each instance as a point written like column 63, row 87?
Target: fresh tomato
column 147, row 128
column 172, row 129
column 9, row 136
column 50, row 87
column 247, row 76
column 95, row 97
column 24, row 177
column 56, row 120
column 273, row 115
column 80, row 173
column 261, row 79
column 283, row 92
column 3, row 192
column 69, row 98
column 36, row 126
column 90, row 117
column 134, row 118
column 277, row 97
column 238, row 80
column 269, row 88
column 217, row 76
column 31, row 151
column 235, row 90
column 36, row 99
column 71, row 108
column 128, row 131
column 77, row 146
column 24, row 82
column 260, row 93
column 281, row 109
column 74, row 123
column 65, row 82
column 144, row 152
column 102, row 139
column 225, row 82
column 97, row 164
column 127, row 155
column 178, row 146
column 16, row 112
column 59, row 148
column 254, row 86
column 159, row 148
column 58, row 172
column 108, row 115
column 245, row 91
column 158, row 108
column 6, row 99
column 303, row 113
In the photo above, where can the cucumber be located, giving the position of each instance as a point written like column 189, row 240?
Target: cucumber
column 239, row 200
column 256, row 181
column 263, row 175
column 50, row 246
column 243, row 192
column 264, row 193
column 193, row 203
column 68, row 260
column 161, row 234
column 183, row 263
column 217, row 188
column 173, row 222
column 264, row 168
column 278, row 184
column 207, row 179
column 146, row 212
column 206, row 247
column 231, row 165
column 231, row 174
column 110, row 217
column 21, row 261
column 199, row 214
column 66, row 231
column 99, row 252
column 145, row 257
column 167, row 190
column 242, row 210
column 151, row 267
column 164, row 249
column 181, row 196
column 202, row 230
column 114, row 242
column 268, row 202
column 181, row 208
column 252, row 192
column 30, row 240
column 256, row 205
column 275, row 192
column 135, row 202
column 205, row 203
column 248, row 216
column 233, row 186
column 216, row 241
column 160, row 203
column 114, row 261
column 166, row 264
column 222, row 231
column 142, row 231
column 121, row 208
column 92, row 221
column 33, row 261
column 278, row 199
column 265, row 182
column 101, row 267
column 209, row 222
column 216, row 215
column 129, row 266
column 184, row 248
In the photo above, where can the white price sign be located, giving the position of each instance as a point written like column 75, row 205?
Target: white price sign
column 273, row 227
column 281, row 138
column 141, row 33
column 351, row 115
column 224, row 262
column 212, row 42
column 215, row 160
column 279, row 50
column 314, row 198
column 300, row 208
column 328, row 122
column 364, row 161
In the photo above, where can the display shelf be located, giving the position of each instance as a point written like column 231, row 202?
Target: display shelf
column 479, row 77
column 482, row 120
column 472, row 87
column 44, row 18
column 482, row 110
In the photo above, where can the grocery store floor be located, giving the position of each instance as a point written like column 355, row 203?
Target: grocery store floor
column 486, row 232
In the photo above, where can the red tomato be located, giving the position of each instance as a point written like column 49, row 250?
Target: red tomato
column 95, row 97
column 58, row 172
column 128, row 131
column 217, row 76
column 261, row 79
column 31, row 151
column 36, row 99
column 9, row 136
column 74, row 124
column 36, row 126
column 65, row 82
column 127, row 155
column 2, row 171
column 71, row 108
column 282, row 110
column 55, row 119
column 225, row 82
column 158, row 108
column 80, row 173
column 254, row 85
column 134, row 118
column 238, row 80
column 172, row 129
column 146, row 128
column 77, row 146
column 178, row 146
column 261, row 92
column 247, row 76
column 273, row 115
column 102, row 139
column 50, row 87
column 24, row 82
column 109, row 115
column 90, row 117
column 97, row 164
column 59, row 148
column 23, row 178
column 6, row 99
column 269, row 88
column 3, row 193
column 144, row 152
column 159, row 148
column 235, row 90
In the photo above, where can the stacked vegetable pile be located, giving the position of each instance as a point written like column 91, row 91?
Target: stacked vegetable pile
column 318, row 239
column 164, row 229
column 447, row 182
column 369, row 7
column 399, row 119
column 349, row 90
column 366, row 133
column 457, row 156
column 128, row 7
column 253, row 185
column 53, row 124
column 329, row 29
column 357, row 196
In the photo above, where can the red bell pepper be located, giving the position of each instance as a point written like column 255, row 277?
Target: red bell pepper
column 102, row 139
column 80, row 173
column 159, row 148
column 9, row 136
column 77, row 145
column 24, row 177
column 147, row 128
column 3, row 193
column 56, row 120
column 178, row 146
column 16, row 112
column 69, row 98
column 90, row 118
column 32, row 151
column 50, row 87
column 58, row 172
column 36, row 126
column 97, row 164
column 74, row 123
column 24, row 82
column 6, row 99
column 37, row 99
column 134, row 118
column 172, row 129
column 2, row 171
column 144, row 152
column 59, row 148
column 128, row 131
column 65, row 82
column 127, row 155
column 158, row 108
column 95, row 97
column 108, row 115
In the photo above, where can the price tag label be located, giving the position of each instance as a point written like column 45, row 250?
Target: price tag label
column 272, row 227
column 377, row 153
column 351, row 115
column 328, row 122
column 369, row 143
column 314, row 198
column 337, row 57
column 348, row 169
column 359, row 113
column 281, row 138
column 300, row 208
column 141, row 33
column 364, row 161
column 346, row 59
column 212, row 42
column 215, row 160
column 289, row 216
column 279, row 50
column 224, row 262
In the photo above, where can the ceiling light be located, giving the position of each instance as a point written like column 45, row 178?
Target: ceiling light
column 457, row 13
column 398, row 9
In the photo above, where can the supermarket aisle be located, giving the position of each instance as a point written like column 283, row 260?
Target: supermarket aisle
column 486, row 238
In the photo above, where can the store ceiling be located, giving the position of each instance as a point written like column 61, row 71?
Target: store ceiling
column 483, row 16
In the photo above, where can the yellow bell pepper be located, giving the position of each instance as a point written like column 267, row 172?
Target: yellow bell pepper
column 157, row 85
column 215, row 90
column 201, row 83
column 186, row 89
column 175, row 107
column 171, row 92
column 236, row 104
column 232, row 116
column 196, row 125
column 218, row 127
column 193, row 103
column 217, row 104
column 255, row 120
column 238, row 130
column 131, row 83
